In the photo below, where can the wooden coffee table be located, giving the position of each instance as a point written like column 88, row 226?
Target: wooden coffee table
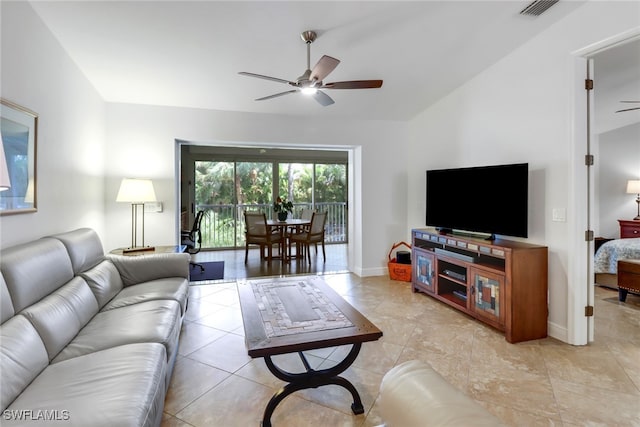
column 296, row 314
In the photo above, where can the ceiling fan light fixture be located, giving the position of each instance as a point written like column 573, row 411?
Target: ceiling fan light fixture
column 312, row 80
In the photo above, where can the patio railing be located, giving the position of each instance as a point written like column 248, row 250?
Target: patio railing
column 223, row 225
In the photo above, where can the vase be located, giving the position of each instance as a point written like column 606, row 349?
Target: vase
column 282, row 216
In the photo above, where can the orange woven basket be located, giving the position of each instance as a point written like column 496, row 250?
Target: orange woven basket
column 397, row 271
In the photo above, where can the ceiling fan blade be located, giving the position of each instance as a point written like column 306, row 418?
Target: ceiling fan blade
column 628, row 109
column 325, row 65
column 354, row 84
column 277, row 95
column 260, row 76
column 323, row 99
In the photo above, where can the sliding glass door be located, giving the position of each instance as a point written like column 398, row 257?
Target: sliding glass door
column 224, row 189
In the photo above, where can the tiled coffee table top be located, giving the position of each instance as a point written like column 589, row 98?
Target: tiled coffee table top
column 295, row 306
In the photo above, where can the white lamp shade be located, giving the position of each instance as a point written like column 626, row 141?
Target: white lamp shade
column 633, row 186
column 136, row 191
column 5, row 183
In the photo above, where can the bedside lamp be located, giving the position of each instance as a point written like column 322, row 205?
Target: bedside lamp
column 633, row 187
column 136, row 192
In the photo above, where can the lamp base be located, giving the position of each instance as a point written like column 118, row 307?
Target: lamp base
column 138, row 249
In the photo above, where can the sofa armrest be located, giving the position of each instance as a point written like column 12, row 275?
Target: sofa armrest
column 413, row 394
column 139, row 269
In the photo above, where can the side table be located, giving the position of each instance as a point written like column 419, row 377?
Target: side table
column 167, row 249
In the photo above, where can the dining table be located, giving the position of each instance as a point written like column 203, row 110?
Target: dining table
column 286, row 228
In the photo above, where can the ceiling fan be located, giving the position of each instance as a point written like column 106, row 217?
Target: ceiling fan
column 629, row 109
column 311, row 81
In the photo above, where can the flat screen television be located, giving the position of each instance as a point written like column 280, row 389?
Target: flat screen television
column 486, row 199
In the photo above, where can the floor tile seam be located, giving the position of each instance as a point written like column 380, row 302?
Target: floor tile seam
column 231, row 373
column 199, row 395
column 602, row 389
column 628, row 375
column 224, row 333
column 597, row 386
column 224, row 306
column 180, row 419
column 554, row 392
column 197, row 349
column 315, row 402
column 201, row 318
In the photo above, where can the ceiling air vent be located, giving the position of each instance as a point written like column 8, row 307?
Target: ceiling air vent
column 538, row 7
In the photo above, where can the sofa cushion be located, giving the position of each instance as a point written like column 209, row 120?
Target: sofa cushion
column 84, row 248
column 22, row 357
column 151, row 321
column 58, row 317
column 104, row 280
column 121, row 386
column 171, row 288
column 6, row 306
column 34, row 270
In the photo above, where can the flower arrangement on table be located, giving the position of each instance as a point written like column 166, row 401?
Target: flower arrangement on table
column 282, row 207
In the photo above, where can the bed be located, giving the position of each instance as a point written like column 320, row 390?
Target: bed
column 606, row 259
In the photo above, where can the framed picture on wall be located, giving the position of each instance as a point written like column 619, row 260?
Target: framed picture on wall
column 18, row 142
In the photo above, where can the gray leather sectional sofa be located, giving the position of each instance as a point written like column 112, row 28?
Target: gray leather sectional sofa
column 87, row 339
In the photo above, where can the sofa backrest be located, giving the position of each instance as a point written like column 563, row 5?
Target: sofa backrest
column 6, row 305
column 34, row 270
column 104, row 280
column 22, row 357
column 84, row 248
column 58, row 317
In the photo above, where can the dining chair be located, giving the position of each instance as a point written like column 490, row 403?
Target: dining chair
column 306, row 213
column 315, row 234
column 257, row 233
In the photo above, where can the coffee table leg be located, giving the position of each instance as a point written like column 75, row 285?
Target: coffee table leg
column 312, row 379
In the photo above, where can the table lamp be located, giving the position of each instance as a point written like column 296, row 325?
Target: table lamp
column 136, row 192
column 5, row 183
column 633, row 187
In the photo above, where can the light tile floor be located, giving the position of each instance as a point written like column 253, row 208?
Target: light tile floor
column 543, row 382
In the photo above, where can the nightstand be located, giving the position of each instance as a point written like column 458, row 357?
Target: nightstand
column 629, row 228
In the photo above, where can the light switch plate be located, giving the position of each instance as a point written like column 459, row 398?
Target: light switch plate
column 559, row 215
column 153, row 207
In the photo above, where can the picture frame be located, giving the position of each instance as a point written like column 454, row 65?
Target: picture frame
column 18, row 142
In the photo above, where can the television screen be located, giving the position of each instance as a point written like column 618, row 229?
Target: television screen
column 487, row 199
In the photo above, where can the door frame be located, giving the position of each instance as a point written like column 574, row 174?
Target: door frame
column 354, row 183
column 580, row 281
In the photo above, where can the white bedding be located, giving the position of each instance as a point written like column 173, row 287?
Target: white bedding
column 606, row 259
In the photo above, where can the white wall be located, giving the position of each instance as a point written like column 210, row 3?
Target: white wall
column 38, row 74
column 618, row 162
column 141, row 143
column 520, row 110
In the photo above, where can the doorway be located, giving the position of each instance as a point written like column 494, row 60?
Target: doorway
column 581, row 280
column 225, row 181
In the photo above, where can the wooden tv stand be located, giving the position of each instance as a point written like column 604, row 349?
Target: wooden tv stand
column 502, row 283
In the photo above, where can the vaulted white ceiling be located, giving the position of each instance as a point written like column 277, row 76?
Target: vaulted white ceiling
column 188, row 54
